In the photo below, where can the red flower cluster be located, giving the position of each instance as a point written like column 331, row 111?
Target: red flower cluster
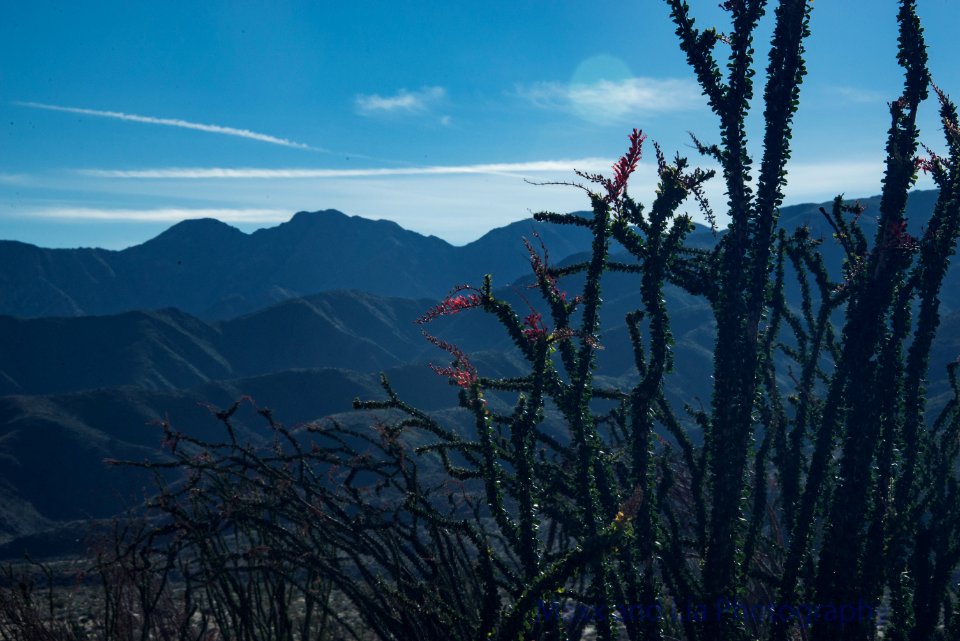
column 541, row 270
column 462, row 372
column 460, row 377
column 622, row 169
column 535, row 328
column 625, row 166
column 451, row 305
column 927, row 165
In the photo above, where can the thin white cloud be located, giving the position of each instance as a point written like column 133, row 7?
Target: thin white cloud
column 429, row 203
column 615, row 100
column 509, row 168
column 14, row 179
column 859, row 95
column 158, row 215
column 402, row 102
column 173, row 122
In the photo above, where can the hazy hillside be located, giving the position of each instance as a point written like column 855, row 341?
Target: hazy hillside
column 169, row 349
column 53, row 446
column 78, row 388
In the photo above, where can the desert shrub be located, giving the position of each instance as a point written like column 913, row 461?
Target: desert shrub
column 121, row 591
column 191, row 576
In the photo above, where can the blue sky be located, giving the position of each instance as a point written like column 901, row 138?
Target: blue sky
column 122, row 117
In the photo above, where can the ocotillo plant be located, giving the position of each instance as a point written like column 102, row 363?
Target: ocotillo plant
column 802, row 497
column 819, row 503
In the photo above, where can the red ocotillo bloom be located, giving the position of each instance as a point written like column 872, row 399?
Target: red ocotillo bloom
column 622, row 169
column 452, row 304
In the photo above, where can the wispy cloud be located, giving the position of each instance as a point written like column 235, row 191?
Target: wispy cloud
column 429, row 202
column 859, row 95
column 508, row 168
column 158, row 215
column 402, row 102
column 14, row 179
column 615, row 100
column 173, row 122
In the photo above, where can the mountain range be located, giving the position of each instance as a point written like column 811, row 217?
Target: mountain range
column 97, row 346
column 215, row 271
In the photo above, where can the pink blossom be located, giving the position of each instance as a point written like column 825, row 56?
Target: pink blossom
column 535, row 327
column 926, row 165
column 462, row 372
column 625, row 166
column 451, row 305
column 622, row 169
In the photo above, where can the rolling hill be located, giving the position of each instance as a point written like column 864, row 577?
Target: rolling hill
column 96, row 346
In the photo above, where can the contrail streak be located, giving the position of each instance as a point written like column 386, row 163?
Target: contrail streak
column 173, row 122
column 586, row 164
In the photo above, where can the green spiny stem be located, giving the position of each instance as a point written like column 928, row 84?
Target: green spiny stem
column 522, row 440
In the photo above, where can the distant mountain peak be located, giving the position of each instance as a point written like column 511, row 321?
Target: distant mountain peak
column 312, row 218
column 302, row 217
column 201, row 223
column 203, row 229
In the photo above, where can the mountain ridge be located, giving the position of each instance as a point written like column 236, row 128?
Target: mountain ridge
column 215, row 271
